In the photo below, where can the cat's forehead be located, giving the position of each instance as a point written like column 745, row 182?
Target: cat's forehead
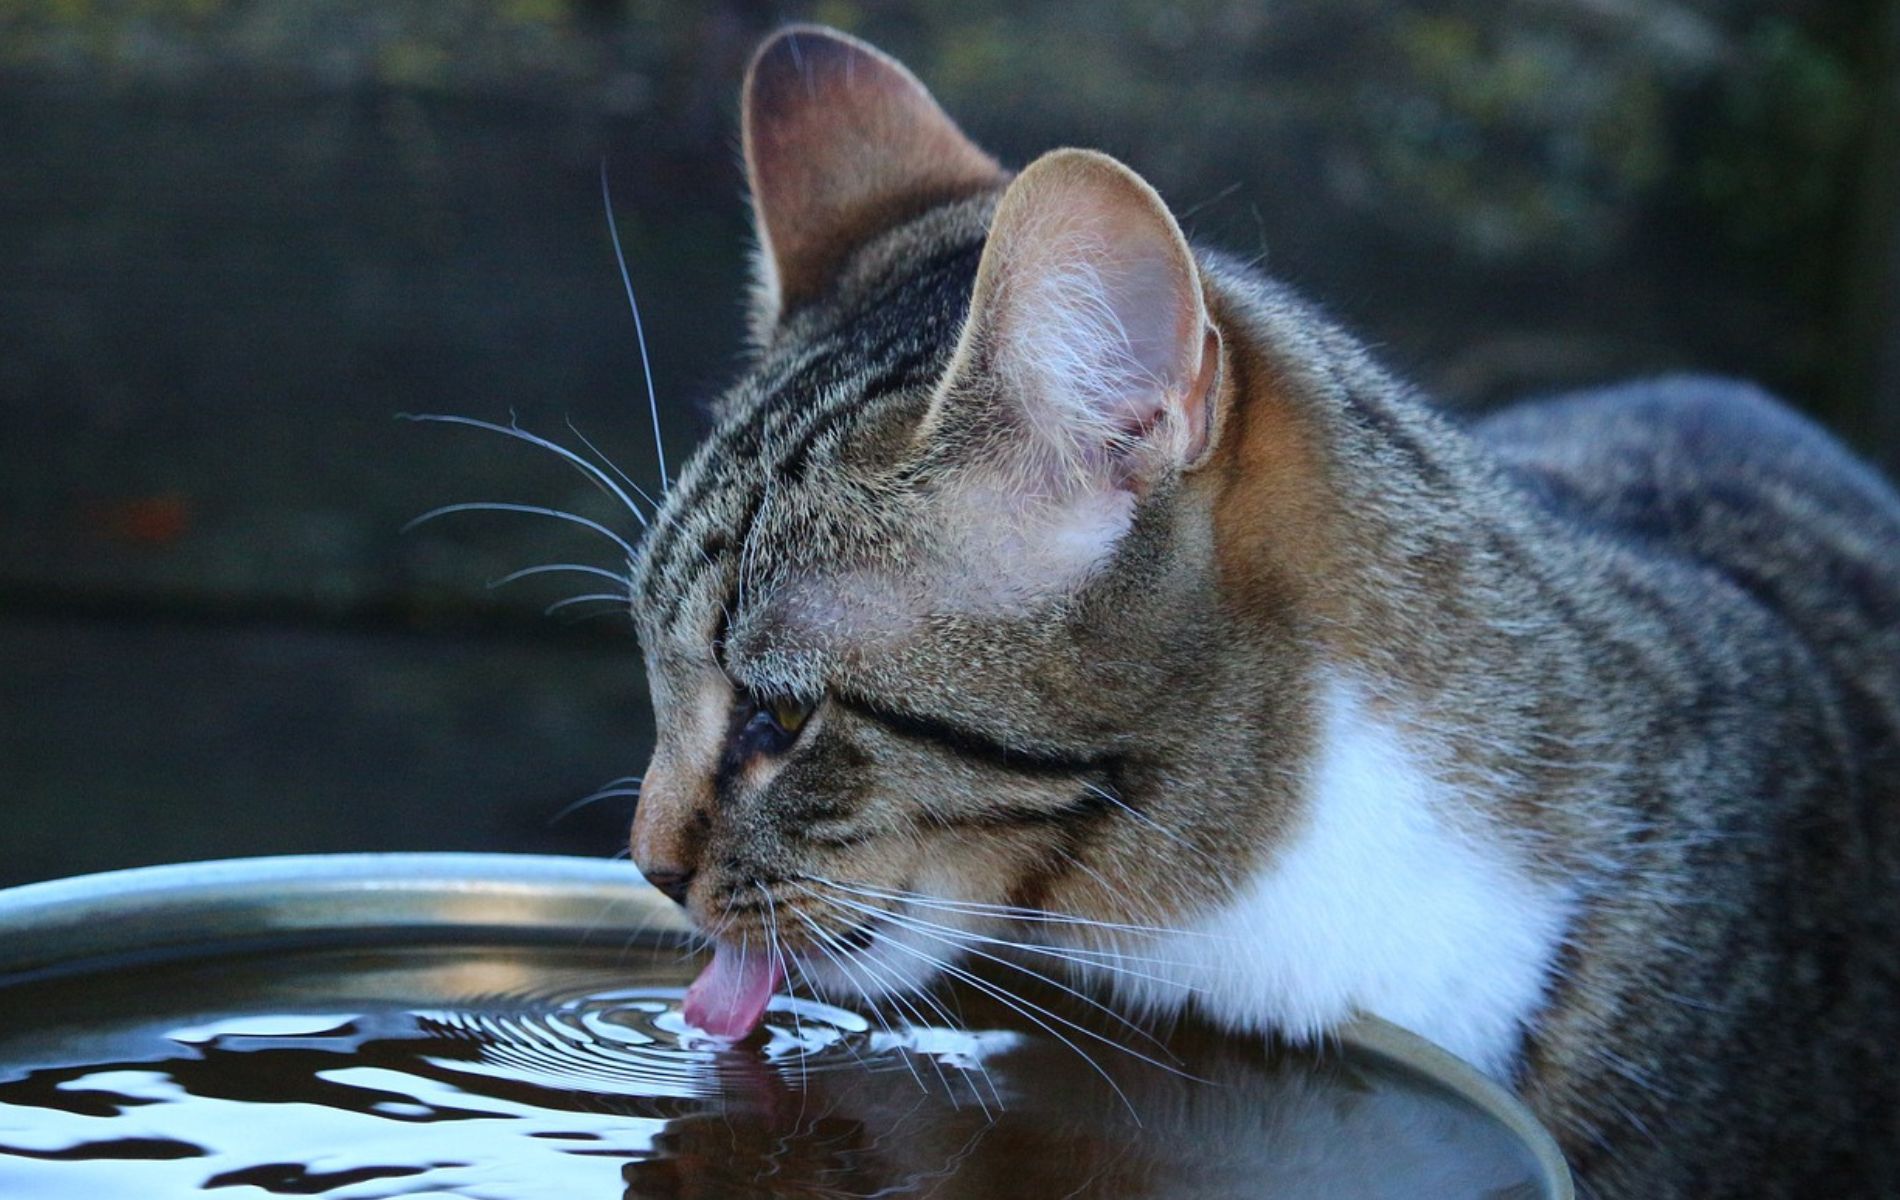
column 799, row 484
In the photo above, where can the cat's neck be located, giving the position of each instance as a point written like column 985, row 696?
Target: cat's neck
column 1418, row 566
column 1400, row 547
column 1385, row 901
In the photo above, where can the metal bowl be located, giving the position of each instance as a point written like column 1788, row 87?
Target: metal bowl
column 127, row 921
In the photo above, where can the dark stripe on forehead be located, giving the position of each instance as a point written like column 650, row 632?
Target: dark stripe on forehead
column 899, row 336
column 897, row 324
column 924, row 365
column 883, row 341
column 979, row 746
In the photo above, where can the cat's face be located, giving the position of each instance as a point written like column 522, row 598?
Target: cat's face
column 927, row 615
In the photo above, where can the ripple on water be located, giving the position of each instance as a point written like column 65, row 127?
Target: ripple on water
column 613, row 1041
column 565, row 1075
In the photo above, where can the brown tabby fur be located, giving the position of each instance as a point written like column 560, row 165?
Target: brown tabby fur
column 1652, row 636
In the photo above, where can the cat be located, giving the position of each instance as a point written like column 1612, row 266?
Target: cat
column 1048, row 579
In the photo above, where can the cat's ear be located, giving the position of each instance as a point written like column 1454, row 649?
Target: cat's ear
column 1087, row 330
column 841, row 141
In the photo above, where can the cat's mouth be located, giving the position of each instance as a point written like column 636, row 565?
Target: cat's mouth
column 730, row 996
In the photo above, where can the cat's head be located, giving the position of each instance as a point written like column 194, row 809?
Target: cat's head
column 940, row 609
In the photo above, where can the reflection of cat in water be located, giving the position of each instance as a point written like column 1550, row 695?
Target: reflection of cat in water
column 1250, row 1125
column 1047, row 580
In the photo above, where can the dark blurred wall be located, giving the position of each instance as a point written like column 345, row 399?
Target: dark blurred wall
column 239, row 237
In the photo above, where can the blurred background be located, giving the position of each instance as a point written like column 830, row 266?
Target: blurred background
column 238, row 236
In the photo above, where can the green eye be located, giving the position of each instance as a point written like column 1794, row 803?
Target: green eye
column 788, row 713
column 769, row 726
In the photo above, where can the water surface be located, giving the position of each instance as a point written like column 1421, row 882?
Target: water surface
column 521, row 1074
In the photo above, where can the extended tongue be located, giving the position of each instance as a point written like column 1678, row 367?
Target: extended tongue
column 728, row 999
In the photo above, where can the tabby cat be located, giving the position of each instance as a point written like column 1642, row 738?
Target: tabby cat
column 1046, row 575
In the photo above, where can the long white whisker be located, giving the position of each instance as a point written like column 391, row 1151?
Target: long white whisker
column 592, row 798
column 639, row 333
column 558, row 605
column 1086, row 956
column 594, row 474
column 1012, row 912
column 923, row 995
column 896, row 993
column 1172, row 835
column 1081, row 1029
column 1080, row 956
column 1022, row 1007
column 532, row 509
column 957, row 944
column 785, row 973
column 612, row 466
column 552, row 568
column 898, row 996
column 804, row 972
column 825, row 943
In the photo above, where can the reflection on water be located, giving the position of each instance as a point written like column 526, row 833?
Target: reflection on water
column 360, row 1076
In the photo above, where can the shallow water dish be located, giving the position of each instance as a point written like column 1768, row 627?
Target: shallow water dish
column 507, row 1027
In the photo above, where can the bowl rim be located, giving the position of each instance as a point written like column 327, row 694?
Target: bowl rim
column 227, row 906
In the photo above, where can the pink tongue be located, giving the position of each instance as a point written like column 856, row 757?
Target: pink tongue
column 728, row 999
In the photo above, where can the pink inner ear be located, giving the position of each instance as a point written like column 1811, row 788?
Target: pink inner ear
column 1094, row 310
column 1153, row 311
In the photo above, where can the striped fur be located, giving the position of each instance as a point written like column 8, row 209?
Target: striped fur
column 1638, row 651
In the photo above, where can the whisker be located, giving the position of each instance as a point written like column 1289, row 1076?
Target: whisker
column 973, row 980
column 1013, row 912
column 1086, row 956
column 957, row 943
column 558, row 605
column 1077, row 956
column 923, row 995
column 611, row 465
column 639, row 333
column 785, row 972
column 532, row 509
column 1145, row 819
column 591, row 798
column 551, row 568
column 594, row 474
column 824, row 943
column 803, row 970
column 899, row 995
column 1016, row 1004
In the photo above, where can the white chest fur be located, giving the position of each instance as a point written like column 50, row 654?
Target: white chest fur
column 1378, row 905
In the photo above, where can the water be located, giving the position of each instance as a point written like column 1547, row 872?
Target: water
column 520, row 1074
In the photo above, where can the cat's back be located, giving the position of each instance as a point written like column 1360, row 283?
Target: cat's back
column 1774, row 556
column 1722, row 475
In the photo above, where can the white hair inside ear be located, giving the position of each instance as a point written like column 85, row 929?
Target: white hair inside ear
column 1088, row 355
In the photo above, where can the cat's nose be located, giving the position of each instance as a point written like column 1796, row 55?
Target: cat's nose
column 669, row 827
column 673, row 881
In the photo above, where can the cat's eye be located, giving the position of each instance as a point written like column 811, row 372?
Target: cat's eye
column 771, row 725
column 791, row 714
